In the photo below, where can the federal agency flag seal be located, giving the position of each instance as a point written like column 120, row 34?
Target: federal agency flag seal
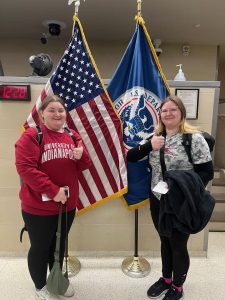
column 139, row 111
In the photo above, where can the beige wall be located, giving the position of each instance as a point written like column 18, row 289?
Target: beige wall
column 199, row 65
column 220, row 141
column 221, row 77
column 107, row 230
column 12, row 116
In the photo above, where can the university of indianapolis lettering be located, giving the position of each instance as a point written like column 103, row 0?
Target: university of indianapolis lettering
column 57, row 150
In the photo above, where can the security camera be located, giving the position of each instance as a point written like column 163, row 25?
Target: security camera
column 158, row 51
column 186, row 50
column 157, row 43
column 44, row 38
column 41, row 64
column 54, row 29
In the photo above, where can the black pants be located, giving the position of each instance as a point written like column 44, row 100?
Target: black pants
column 42, row 234
column 174, row 253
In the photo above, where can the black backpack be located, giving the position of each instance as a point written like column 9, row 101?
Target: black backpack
column 40, row 134
column 187, row 139
column 39, row 139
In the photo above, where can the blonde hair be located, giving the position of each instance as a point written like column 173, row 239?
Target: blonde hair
column 184, row 126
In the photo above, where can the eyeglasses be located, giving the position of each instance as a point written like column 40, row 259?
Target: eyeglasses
column 171, row 110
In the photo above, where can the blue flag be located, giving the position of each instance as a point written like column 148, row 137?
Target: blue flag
column 137, row 89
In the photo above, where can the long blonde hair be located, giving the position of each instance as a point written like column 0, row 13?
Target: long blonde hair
column 184, row 126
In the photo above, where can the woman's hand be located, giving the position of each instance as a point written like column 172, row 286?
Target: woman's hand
column 78, row 151
column 157, row 142
column 60, row 197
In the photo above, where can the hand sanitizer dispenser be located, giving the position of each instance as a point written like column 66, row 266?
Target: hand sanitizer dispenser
column 180, row 75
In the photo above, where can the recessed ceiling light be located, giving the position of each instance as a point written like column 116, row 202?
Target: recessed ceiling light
column 197, row 25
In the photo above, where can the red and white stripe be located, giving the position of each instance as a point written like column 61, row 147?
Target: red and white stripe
column 100, row 129
column 96, row 123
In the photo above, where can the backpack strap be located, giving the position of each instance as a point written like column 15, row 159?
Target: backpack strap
column 209, row 139
column 162, row 158
column 21, row 233
column 71, row 134
column 187, row 139
column 40, row 134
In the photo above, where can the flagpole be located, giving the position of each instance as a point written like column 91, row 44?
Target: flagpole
column 136, row 266
column 139, row 8
column 136, row 234
column 138, row 16
column 72, row 265
column 76, row 4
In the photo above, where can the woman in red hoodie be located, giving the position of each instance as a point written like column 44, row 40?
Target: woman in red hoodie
column 45, row 170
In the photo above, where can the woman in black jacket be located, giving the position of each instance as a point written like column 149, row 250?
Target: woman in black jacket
column 169, row 134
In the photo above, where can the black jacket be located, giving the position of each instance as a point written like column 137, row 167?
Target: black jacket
column 187, row 206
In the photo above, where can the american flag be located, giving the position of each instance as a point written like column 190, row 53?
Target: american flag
column 91, row 113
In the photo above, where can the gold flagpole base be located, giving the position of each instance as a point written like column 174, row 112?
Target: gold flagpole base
column 73, row 266
column 136, row 267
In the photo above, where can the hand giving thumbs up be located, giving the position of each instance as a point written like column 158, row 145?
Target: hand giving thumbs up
column 78, row 151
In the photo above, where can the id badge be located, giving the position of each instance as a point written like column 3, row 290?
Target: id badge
column 45, row 197
column 161, row 187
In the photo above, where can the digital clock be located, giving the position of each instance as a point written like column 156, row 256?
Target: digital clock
column 15, row 92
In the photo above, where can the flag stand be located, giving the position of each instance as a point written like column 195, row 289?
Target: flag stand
column 73, row 265
column 136, row 266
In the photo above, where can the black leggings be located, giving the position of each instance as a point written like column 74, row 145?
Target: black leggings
column 42, row 234
column 174, row 253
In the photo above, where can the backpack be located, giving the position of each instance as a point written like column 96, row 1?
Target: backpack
column 187, row 139
column 40, row 134
column 39, row 139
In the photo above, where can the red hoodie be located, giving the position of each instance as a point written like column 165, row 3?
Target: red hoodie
column 47, row 167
